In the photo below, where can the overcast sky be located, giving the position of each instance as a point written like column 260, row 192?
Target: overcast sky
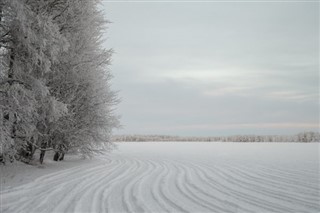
column 215, row 68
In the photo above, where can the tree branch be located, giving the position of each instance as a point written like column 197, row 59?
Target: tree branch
column 61, row 12
column 15, row 81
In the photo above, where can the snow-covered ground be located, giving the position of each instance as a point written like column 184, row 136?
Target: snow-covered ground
column 171, row 177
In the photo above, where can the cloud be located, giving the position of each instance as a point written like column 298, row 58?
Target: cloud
column 221, row 68
column 227, row 90
column 165, row 107
column 293, row 95
column 231, row 126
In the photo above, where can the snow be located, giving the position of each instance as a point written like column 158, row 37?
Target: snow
column 171, row 177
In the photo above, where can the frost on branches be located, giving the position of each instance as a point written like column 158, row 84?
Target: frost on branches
column 54, row 79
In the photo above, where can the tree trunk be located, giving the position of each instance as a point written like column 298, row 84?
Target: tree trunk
column 56, row 156
column 30, row 151
column 42, row 153
column 10, row 72
column 33, row 150
column 13, row 115
column 61, row 156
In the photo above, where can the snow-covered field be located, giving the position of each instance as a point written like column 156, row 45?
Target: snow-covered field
column 171, row 177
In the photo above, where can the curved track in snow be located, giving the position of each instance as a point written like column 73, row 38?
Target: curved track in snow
column 175, row 177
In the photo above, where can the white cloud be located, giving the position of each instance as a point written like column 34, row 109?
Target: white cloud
column 293, row 95
column 231, row 126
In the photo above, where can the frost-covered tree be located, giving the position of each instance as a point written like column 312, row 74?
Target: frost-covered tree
column 30, row 44
column 54, row 83
column 84, row 79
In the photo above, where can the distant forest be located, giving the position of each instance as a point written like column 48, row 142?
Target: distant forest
column 301, row 137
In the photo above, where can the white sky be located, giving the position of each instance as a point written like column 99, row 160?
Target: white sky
column 215, row 68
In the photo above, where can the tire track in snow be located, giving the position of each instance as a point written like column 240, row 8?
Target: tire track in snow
column 156, row 188
column 246, row 190
column 295, row 192
column 224, row 193
column 166, row 191
column 131, row 190
column 279, row 191
column 129, row 199
column 223, row 183
column 57, row 190
column 193, row 196
column 86, row 195
column 215, row 196
column 34, row 190
column 142, row 183
column 217, row 205
column 113, row 191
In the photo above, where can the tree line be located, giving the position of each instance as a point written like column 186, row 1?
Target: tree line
column 301, row 137
column 54, row 79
